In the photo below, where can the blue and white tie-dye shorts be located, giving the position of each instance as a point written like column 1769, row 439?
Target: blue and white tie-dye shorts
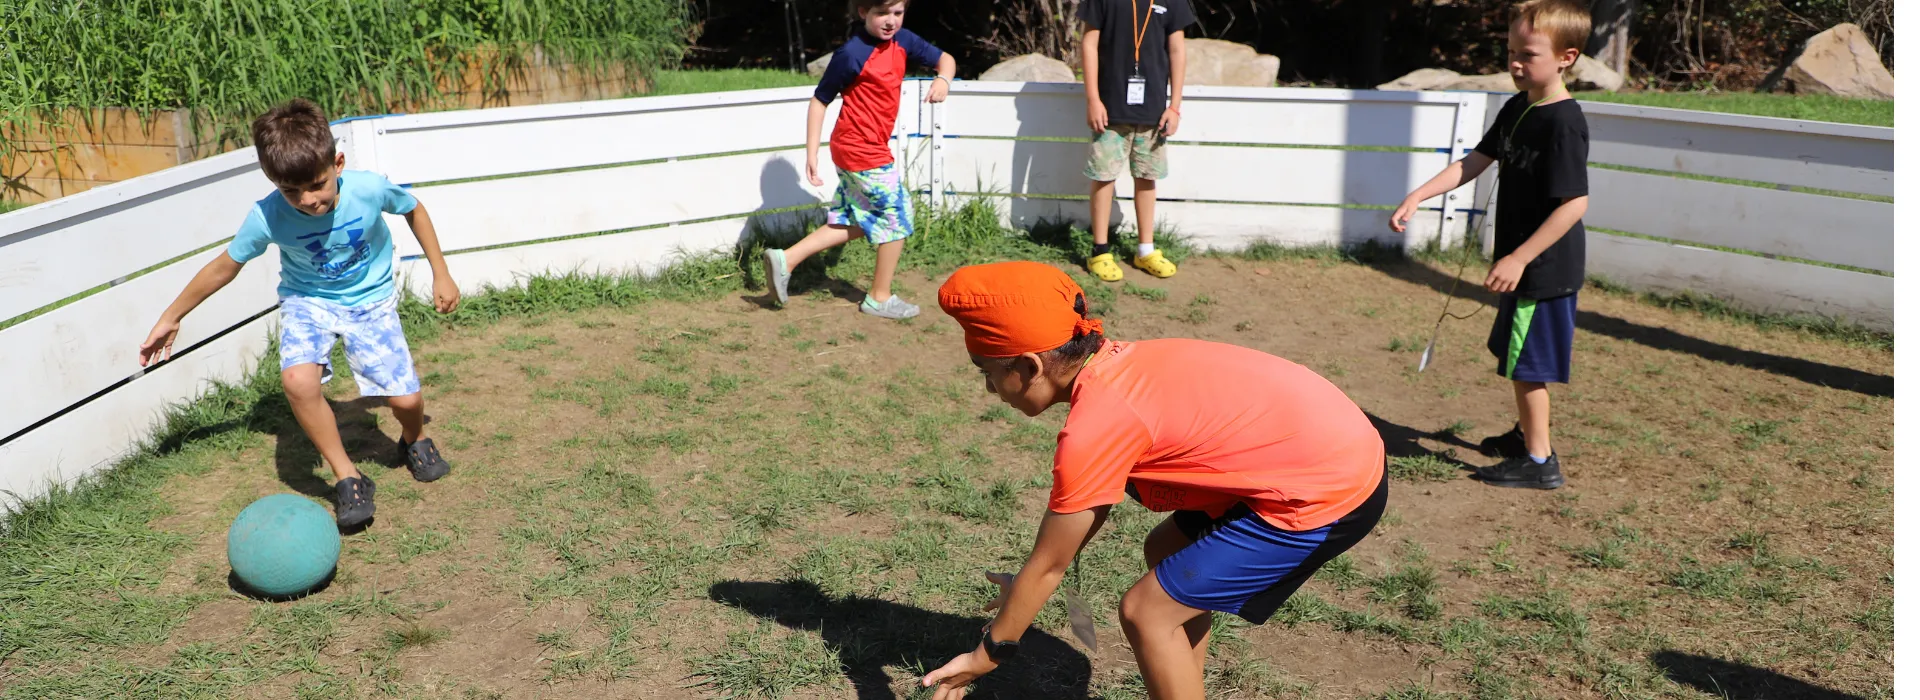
column 376, row 349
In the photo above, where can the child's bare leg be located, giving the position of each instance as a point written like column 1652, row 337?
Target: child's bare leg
column 411, row 411
column 888, row 257
column 1166, row 539
column 1144, row 197
column 821, row 239
column 302, row 385
column 1531, row 400
column 1158, row 629
column 1101, row 213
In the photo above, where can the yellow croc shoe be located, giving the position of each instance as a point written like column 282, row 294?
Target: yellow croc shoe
column 1104, row 267
column 1156, row 264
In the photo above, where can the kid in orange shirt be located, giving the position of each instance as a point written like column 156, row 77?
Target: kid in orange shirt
column 1268, row 469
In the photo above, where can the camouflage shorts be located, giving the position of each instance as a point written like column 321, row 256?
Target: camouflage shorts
column 1140, row 146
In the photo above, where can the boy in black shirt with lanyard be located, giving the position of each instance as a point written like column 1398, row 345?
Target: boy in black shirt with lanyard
column 1131, row 52
column 1539, row 244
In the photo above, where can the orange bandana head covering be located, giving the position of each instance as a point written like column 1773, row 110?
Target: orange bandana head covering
column 1010, row 308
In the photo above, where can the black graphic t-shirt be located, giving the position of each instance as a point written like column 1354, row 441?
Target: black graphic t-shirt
column 1118, row 22
column 1543, row 161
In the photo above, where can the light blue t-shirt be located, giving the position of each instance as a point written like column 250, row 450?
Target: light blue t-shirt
column 344, row 256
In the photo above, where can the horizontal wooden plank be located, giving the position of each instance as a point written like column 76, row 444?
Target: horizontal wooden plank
column 645, row 252
column 1742, row 150
column 1275, row 120
column 450, row 153
column 429, row 148
column 513, row 210
column 1776, row 222
column 1233, row 226
column 58, row 249
column 94, row 436
column 1756, row 283
column 57, row 359
column 1195, row 172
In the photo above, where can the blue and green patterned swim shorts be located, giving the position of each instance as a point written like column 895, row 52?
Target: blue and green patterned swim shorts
column 874, row 200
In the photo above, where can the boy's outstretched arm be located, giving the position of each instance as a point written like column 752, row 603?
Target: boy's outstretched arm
column 446, row 294
column 1457, row 173
column 1061, row 537
column 1505, row 275
column 217, row 273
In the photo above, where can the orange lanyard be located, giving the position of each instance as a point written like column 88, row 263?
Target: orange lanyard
column 1139, row 35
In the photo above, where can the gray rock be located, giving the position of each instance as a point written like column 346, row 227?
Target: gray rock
column 1215, row 62
column 1030, row 68
column 818, row 67
column 1423, row 79
column 1840, row 61
column 1497, row 82
column 1590, row 74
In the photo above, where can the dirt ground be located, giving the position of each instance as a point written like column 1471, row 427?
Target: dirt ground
column 713, row 498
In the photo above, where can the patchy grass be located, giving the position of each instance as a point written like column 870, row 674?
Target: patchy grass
column 654, row 489
column 680, row 82
column 1825, row 108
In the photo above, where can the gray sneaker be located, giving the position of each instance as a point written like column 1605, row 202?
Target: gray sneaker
column 777, row 275
column 894, row 307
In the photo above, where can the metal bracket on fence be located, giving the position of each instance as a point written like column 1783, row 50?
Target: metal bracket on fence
column 1457, row 150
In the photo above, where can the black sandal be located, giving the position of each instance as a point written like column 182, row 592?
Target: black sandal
column 423, row 459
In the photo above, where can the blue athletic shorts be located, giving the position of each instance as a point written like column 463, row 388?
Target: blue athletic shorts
column 1241, row 564
column 1532, row 339
column 376, row 349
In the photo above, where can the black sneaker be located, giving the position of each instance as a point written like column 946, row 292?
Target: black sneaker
column 352, row 501
column 1521, row 473
column 1507, row 445
column 423, row 459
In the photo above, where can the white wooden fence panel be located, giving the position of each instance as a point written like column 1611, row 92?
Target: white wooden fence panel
column 1275, row 116
column 64, row 247
column 55, row 360
column 1841, row 157
column 1813, row 227
column 106, row 429
column 512, row 210
column 645, row 251
column 1753, row 282
column 1233, row 226
column 1214, row 173
column 508, row 140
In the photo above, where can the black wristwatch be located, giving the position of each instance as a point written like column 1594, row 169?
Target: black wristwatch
column 1000, row 652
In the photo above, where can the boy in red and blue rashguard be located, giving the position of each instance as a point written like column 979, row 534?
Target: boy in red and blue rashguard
column 866, row 73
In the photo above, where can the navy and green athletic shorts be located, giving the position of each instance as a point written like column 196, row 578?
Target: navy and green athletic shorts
column 1532, row 339
column 1241, row 564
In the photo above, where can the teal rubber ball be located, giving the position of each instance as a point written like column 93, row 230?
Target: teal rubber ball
column 283, row 545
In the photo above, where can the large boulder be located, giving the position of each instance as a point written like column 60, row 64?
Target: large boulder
column 1423, row 79
column 1031, row 68
column 1588, row 73
column 1215, row 62
column 1840, row 61
column 1497, row 82
column 818, row 67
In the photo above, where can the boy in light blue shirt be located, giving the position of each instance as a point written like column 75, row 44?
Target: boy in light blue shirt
column 336, row 282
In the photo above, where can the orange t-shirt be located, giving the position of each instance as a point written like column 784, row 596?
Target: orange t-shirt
column 1196, row 425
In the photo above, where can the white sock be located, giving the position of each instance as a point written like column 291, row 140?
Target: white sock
column 1146, row 249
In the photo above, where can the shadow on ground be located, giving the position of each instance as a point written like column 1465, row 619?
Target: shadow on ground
column 1736, row 681
column 1808, row 371
column 871, row 634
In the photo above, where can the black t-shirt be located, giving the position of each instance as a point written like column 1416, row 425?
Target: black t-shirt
column 1118, row 22
column 1543, row 160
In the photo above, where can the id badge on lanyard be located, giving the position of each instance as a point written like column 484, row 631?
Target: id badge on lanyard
column 1137, row 88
